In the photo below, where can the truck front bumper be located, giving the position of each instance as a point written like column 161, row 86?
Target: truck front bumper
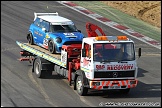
column 115, row 84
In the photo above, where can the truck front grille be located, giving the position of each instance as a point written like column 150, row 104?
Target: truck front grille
column 113, row 74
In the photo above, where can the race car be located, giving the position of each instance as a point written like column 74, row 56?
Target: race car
column 51, row 31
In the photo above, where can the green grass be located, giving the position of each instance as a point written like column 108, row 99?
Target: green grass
column 122, row 18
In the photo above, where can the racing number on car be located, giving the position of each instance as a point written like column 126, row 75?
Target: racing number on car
column 45, row 42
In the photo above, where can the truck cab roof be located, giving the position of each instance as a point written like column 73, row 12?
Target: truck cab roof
column 107, row 39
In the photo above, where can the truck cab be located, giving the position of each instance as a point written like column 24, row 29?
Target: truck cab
column 109, row 62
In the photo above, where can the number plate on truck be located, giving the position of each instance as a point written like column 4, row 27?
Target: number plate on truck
column 114, row 87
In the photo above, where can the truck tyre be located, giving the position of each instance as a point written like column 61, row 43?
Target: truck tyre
column 124, row 91
column 61, row 72
column 30, row 39
column 81, row 90
column 37, row 69
column 51, row 47
column 64, row 73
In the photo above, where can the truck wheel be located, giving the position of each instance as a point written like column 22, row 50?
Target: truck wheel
column 61, row 71
column 51, row 47
column 82, row 91
column 124, row 91
column 64, row 73
column 30, row 39
column 37, row 69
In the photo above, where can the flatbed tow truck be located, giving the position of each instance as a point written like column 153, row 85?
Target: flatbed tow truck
column 99, row 62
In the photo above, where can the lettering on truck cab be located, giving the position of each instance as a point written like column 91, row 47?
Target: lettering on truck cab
column 115, row 67
column 120, row 67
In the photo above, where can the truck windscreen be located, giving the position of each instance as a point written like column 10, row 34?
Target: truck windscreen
column 113, row 52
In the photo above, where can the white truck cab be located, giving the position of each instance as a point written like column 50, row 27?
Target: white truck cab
column 108, row 58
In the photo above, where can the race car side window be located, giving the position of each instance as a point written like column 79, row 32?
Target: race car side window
column 45, row 24
column 37, row 22
column 51, row 29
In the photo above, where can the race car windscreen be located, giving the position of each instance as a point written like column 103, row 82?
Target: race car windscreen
column 113, row 52
column 63, row 28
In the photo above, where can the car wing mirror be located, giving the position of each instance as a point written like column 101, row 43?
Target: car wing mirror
column 43, row 29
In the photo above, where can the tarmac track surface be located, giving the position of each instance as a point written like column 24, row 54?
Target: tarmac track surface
column 20, row 87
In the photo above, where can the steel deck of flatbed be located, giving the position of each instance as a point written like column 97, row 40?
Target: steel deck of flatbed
column 41, row 52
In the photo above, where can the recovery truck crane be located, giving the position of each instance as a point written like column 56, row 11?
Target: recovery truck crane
column 100, row 62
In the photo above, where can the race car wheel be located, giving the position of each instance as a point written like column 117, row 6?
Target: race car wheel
column 30, row 39
column 51, row 47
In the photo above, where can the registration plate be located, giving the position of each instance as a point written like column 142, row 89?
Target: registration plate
column 114, row 87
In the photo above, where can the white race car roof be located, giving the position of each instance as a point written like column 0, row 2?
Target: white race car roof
column 54, row 18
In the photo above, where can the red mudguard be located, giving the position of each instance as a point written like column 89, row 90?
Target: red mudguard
column 93, row 30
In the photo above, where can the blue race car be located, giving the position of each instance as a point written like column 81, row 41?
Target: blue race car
column 51, row 31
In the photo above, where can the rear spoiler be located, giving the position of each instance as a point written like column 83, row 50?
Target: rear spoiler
column 42, row 14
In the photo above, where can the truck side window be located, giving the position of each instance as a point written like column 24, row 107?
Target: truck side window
column 89, row 50
column 87, row 47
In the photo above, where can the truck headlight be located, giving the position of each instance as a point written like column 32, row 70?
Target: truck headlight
column 132, row 82
column 58, row 40
column 96, row 83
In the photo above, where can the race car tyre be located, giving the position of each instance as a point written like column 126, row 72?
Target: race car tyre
column 37, row 69
column 81, row 90
column 30, row 39
column 51, row 47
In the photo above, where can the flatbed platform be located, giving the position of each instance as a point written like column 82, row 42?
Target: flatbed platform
column 41, row 52
column 58, row 56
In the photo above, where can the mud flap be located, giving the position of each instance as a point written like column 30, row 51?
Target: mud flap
column 93, row 30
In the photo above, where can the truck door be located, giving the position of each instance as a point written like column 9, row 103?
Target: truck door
column 86, row 62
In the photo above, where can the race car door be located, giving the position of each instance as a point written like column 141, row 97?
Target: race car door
column 44, row 36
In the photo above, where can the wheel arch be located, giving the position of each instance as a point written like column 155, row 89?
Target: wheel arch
column 29, row 32
column 55, row 46
column 51, row 39
column 80, row 73
column 45, row 64
column 28, row 35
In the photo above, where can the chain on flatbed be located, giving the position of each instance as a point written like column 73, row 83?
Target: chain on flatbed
column 41, row 52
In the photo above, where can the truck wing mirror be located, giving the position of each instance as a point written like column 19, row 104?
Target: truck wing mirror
column 83, row 53
column 139, row 52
